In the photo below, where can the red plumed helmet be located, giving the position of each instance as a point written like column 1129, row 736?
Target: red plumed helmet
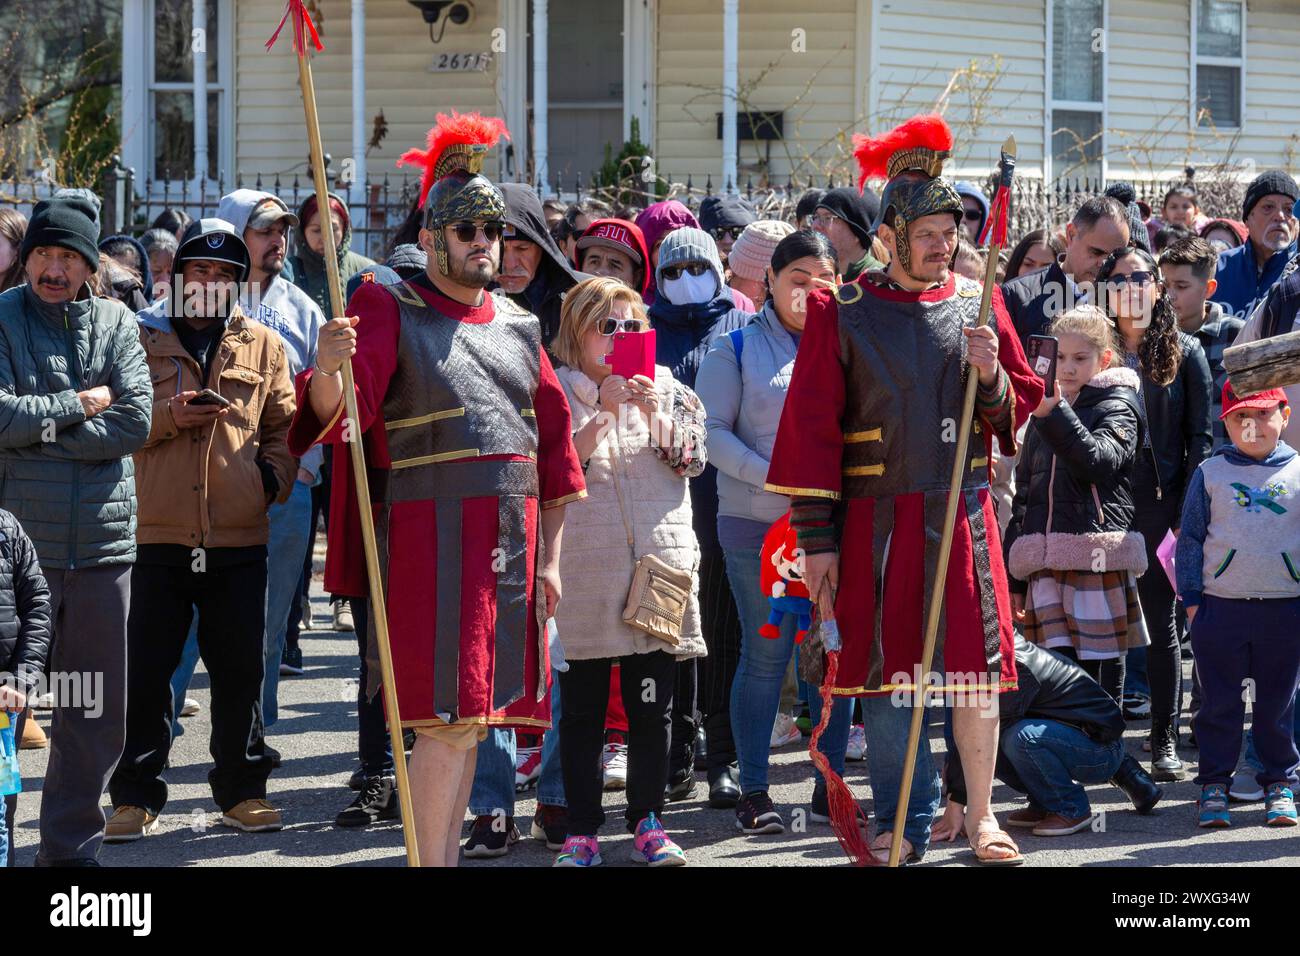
column 458, row 141
column 921, row 143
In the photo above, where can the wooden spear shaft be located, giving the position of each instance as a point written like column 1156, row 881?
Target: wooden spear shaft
column 352, row 435
column 945, row 550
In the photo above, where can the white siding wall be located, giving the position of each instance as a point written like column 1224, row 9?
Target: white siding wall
column 1272, row 92
column 921, row 44
column 815, row 88
column 271, row 135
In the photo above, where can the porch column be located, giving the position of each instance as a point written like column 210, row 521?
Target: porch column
column 199, row 45
column 730, row 35
column 357, row 187
column 541, row 97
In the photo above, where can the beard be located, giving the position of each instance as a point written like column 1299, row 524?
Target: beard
column 273, row 264
column 474, row 274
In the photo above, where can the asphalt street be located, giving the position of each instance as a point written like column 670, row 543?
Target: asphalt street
column 316, row 734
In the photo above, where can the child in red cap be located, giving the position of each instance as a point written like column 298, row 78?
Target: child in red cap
column 1238, row 570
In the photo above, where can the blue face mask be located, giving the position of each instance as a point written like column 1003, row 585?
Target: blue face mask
column 687, row 289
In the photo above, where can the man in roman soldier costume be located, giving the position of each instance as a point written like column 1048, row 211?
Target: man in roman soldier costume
column 471, row 463
column 865, row 449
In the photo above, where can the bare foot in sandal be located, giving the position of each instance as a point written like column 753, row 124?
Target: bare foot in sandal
column 880, row 848
column 993, row 846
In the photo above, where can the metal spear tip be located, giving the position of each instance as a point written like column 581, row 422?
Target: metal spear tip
column 1009, row 147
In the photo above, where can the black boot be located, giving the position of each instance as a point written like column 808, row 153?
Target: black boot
column 1165, row 765
column 1137, row 785
column 724, row 787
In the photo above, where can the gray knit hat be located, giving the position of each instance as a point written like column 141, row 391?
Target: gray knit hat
column 688, row 245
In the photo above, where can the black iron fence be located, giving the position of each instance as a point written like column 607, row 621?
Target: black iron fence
column 381, row 204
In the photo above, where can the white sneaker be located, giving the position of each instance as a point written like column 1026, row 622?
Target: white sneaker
column 614, row 762
column 785, row 731
column 1244, row 788
column 190, row 707
column 306, row 614
column 343, row 616
column 857, row 749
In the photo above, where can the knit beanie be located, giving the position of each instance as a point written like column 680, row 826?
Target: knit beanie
column 1126, row 196
column 858, row 209
column 720, row 212
column 688, row 245
column 69, row 222
column 752, row 253
column 1269, row 183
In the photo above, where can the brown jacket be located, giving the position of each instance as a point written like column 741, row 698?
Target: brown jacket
column 203, row 487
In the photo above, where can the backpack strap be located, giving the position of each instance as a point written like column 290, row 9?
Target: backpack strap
column 738, row 343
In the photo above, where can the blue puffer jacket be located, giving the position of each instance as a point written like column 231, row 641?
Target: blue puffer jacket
column 1241, row 285
column 69, row 479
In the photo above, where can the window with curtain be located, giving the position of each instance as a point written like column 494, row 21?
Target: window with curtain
column 1219, row 62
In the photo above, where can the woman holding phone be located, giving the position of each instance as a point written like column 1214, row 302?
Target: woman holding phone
column 640, row 440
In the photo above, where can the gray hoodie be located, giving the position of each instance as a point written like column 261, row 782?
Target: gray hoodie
column 281, row 305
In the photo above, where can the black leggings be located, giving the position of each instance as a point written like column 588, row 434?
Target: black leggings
column 647, row 682
column 1164, row 656
column 1109, row 673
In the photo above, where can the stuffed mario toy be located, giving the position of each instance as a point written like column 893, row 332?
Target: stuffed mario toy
column 781, row 577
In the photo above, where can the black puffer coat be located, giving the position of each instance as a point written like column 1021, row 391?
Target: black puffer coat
column 1073, row 497
column 24, row 606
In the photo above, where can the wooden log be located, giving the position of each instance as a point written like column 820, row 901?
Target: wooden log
column 1267, row 363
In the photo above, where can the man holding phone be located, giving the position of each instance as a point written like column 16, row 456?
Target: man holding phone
column 215, row 459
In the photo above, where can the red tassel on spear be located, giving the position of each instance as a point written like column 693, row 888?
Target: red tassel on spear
column 302, row 29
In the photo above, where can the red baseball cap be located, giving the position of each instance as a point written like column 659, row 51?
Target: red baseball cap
column 1265, row 399
column 616, row 234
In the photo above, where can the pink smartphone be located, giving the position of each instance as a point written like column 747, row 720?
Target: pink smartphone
column 633, row 354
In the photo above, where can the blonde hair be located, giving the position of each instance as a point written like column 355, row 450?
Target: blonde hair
column 584, row 305
column 1093, row 325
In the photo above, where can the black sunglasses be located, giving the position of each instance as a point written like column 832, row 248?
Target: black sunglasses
column 720, row 231
column 694, row 268
column 467, row 231
column 1133, row 278
column 973, row 214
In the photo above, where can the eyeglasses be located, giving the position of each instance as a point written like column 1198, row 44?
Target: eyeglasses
column 694, row 268
column 468, row 231
column 720, row 231
column 1133, row 278
column 823, row 219
column 611, row 324
column 974, row 215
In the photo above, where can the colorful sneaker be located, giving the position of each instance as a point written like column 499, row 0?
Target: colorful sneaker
column 857, row 743
column 653, row 847
column 1213, row 807
column 614, row 762
column 528, row 767
column 1279, row 806
column 579, row 851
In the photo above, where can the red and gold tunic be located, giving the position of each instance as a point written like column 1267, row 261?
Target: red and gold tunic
column 467, row 439
column 869, row 426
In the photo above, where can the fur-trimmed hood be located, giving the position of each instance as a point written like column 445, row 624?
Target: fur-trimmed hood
column 1117, row 375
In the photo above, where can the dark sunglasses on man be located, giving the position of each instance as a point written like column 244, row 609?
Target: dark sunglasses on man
column 719, row 231
column 694, row 268
column 1140, row 278
column 467, row 231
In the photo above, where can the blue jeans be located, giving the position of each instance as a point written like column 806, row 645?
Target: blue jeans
column 887, row 725
column 756, row 689
column 1048, row 760
column 1135, row 672
column 183, row 675
column 494, row 773
column 286, row 549
column 1252, row 760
